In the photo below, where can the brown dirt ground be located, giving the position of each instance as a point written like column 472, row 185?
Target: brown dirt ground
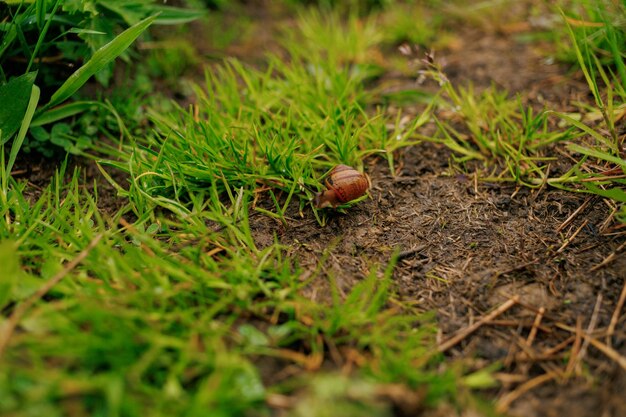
column 468, row 247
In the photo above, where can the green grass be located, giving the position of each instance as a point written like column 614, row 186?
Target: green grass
column 596, row 26
column 498, row 130
column 518, row 145
column 602, row 165
column 274, row 131
column 171, row 306
column 171, row 316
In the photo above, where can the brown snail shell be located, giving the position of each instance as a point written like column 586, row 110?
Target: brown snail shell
column 343, row 184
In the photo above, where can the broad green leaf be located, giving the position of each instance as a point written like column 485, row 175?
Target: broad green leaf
column 99, row 60
column 28, row 116
column 14, row 97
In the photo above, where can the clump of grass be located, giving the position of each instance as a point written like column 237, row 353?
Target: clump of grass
column 415, row 24
column 275, row 130
column 172, row 316
column 601, row 166
column 502, row 132
column 492, row 127
column 596, row 27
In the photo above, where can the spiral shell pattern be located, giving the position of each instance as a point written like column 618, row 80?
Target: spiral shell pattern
column 348, row 183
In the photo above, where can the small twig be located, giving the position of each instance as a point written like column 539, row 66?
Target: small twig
column 608, row 351
column 280, row 401
column 616, row 314
column 590, row 328
column 410, row 252
column 609, row 258
column 536, row 324
column 471, row 329
column 605, row 178
column 530, row 339
column 559, row 347
column 608, row 220
column 572, row 237
column 573, row 215
column 575, row 347
column 21, row 309
column 507, row 400
column 523, row 358
column 517, row 323
column 601, row 332
column 475, row 182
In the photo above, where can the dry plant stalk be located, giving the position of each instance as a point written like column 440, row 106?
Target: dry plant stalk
column 471, row 329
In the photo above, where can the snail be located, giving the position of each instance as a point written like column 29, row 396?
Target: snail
column 344, row 184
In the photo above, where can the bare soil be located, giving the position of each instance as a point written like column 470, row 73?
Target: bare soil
column 467, row 247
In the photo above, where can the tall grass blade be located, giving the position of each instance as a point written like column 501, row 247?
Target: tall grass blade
column 598, row 154
column 42, row 34
column 17, row 143
column 63, row 112
column 99, row 60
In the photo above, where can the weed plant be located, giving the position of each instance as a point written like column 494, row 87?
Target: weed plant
column 274, row 130
column 43, row 41
column 601, row 166
column 596, row 27
column 492, row 127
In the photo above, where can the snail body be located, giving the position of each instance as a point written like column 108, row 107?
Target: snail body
column 343, row 184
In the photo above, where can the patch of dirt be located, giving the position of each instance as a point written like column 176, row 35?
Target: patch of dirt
column 468, row 247
column 40, row 170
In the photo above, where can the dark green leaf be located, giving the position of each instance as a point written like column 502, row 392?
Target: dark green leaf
column 14, row 97
column 99, row 60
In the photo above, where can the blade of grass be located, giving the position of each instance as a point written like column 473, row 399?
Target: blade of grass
column 598, row 154
column 63, row 112
column 19, row 139
column 44, row 31
column 100, row 58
